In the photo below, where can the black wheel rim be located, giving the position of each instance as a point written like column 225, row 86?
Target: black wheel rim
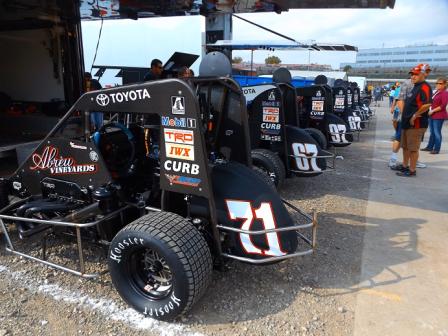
column 150, row 274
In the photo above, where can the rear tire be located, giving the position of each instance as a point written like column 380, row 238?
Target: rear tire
column 318, row 136
column 266, row 178
column 270, row 164
column 160, row 265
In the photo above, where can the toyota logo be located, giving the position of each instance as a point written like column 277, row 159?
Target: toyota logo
column 102, row 99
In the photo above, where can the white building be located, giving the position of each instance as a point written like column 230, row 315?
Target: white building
column 401, row 57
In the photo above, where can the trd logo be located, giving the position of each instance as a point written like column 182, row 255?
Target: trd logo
column 179, row 136
column 176, row 151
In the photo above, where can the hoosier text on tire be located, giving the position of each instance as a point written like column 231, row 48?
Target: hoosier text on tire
column 160, row 264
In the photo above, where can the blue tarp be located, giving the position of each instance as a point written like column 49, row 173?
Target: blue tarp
column 249, row 80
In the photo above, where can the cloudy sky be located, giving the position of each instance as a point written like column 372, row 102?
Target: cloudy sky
column 135, row 43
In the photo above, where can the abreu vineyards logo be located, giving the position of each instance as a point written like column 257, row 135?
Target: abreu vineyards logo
column 104, row 99
column 56, row 164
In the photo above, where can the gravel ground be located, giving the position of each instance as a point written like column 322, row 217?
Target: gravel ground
column 313, row 295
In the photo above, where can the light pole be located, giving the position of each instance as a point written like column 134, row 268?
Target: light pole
column 309, row 53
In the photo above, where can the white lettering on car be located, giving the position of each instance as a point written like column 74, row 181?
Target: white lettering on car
column 181, row 167
column 305, row 156
column 243, row 210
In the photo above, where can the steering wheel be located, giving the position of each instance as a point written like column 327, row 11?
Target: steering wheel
column 117, row 146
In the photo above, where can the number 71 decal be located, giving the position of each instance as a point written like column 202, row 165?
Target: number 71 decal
column 244, row 210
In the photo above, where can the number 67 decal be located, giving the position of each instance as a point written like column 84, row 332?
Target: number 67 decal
column 305, row 156
column 244, row 210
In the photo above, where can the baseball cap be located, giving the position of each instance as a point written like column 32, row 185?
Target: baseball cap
column 422, row 67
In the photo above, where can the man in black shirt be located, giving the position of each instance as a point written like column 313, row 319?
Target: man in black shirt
column 156, row 70
column 414, row 119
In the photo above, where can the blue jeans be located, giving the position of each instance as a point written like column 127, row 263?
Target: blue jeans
column 96, row 118
column 398, row 132
column 435, row 137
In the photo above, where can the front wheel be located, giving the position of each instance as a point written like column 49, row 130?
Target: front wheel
column 160, row 265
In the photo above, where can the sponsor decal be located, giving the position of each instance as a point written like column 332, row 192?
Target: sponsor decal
column 49, row 185
column 270, row 128
column 271, row 114
column 316, row 114
column 318, row 94
column 17, row 185
column 247, row 91
column 339, row 102
column 73, row 145
column 56, row 164
column 183, row 180
column 93, row 156
column 177, row 105
column 104, row 99
column 177, row 151
column 349, row 99
column 271, row 137
column 181, row 167
column 179, row 136
column 251, row 92
column 266, row 103
column 179, row 122
column 317, row 105
column 340, row 92
column 272, row 95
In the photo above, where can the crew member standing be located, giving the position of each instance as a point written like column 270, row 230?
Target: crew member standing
column 96, row 118
column 414, row 119
column 155, row 72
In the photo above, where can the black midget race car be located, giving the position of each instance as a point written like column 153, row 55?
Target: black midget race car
column 346, row 108
column 279, row 146
column 315, row 111
column 166, row 184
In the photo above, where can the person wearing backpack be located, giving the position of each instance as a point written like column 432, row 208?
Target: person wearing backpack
column 437, row 115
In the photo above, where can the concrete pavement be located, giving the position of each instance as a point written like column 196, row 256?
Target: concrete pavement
column 403, row 288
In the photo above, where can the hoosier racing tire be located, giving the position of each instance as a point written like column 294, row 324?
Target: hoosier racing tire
column 264, row 177
column 318, row 136
column 270, row 164
column 160, row 265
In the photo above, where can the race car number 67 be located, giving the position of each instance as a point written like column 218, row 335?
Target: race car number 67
column 244, row 210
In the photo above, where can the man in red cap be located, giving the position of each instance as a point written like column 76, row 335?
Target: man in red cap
column 414, row 120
